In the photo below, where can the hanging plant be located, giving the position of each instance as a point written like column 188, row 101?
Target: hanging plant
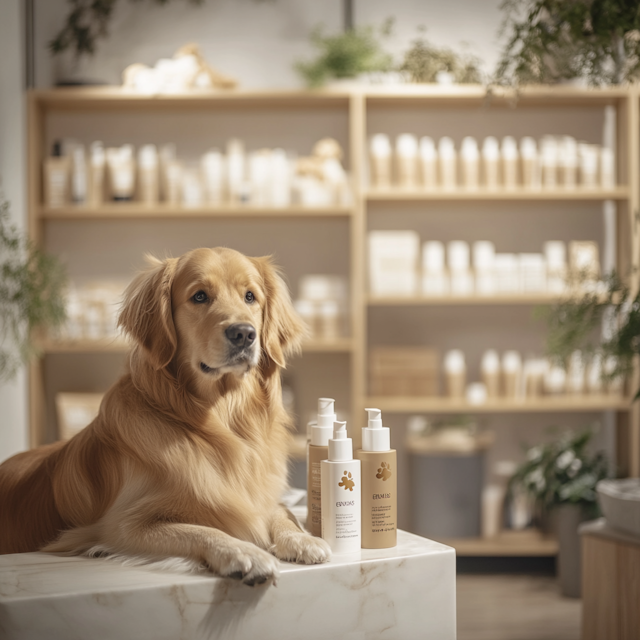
column 87, row 22
column 32, row 284
column 554, row 40
column 423, row 62
column 346, row 55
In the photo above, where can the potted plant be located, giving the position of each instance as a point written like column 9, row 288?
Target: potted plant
column 551, row 41
column 32, row 284
column 603, row 322
column 561, row 478
column 425, row 62
column 346, row 55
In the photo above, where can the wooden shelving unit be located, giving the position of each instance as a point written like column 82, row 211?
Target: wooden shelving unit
column 549, row 404
column 358, row 109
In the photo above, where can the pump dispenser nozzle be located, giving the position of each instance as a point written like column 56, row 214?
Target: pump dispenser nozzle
column 340, row 447
column 323, row 429
column 375, row 437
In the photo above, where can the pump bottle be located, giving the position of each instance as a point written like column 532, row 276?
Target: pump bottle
column 318, row 450
column 341, row 494
column 379, row 485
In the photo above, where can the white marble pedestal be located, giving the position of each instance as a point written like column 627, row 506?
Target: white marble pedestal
column 396, row 594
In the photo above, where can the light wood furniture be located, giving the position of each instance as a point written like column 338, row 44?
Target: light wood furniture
column 352, row 116
column 610, row 583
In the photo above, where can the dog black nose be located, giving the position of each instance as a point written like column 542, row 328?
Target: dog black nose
column 240, row 335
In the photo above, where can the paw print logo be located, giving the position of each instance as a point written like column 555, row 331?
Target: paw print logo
column 347, row 481
column 384, row 473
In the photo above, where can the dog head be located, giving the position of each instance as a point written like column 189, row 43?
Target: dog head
column 212, row 312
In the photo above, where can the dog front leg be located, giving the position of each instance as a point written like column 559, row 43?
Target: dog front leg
column 223, row 554
column 291, row 543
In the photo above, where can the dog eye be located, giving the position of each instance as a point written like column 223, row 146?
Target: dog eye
column 249, row 297
column 200, row 297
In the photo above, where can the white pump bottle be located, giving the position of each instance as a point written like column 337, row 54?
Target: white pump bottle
column 317, row 451
column 341, row 494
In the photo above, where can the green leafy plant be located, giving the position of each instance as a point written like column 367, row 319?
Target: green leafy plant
column 576, row 323
column 423, row 61
column 553, row 40
column 32, row 285
column 562, row 472
column 87, row 22
column 346, row 55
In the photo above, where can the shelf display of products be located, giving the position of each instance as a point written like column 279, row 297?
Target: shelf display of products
column 553, row 162
column 460, row 270
column 263, row 178
column 322, row 304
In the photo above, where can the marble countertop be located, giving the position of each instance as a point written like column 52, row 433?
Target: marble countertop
column 405, row 592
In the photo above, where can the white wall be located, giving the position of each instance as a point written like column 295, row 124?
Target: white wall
column 13, row 403
column 257, row 41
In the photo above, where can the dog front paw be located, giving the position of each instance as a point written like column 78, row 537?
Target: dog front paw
column 300, row 547
column 244, row 561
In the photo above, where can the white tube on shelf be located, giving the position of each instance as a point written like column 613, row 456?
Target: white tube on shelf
column 428, row 157
column 568, row 162
column 97, row 173
column 212, row 165
column 470, row 161
column 490, row 372
column 510, row 157
column 148, row 175
column 589, row 157
column 78, row 174
column 512, row 374
column 192, row 188
column 549, row 162
column 380, row 159
column 461, row 277
column 435, row 281
column 235, row 170
column 530, row 163
column 407, row 161
column 491, row 163
column 555, row 379
column 447, row 163
column 483, row 265
column 455, row 370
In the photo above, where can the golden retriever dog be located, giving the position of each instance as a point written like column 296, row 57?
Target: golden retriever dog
column 188, row 455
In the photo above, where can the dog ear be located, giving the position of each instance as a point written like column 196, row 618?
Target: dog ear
column 282, row 327
column 146, row 313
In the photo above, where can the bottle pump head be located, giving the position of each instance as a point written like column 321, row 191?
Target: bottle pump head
column 340, row 447
column 375, row 437
column 323, row 429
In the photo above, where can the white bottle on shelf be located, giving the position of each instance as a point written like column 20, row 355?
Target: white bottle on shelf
column 549, row 162
column 455, row 370
column 512, row 375
column 490, row 372
column 555, row 253
column 510, row 157
column 428, row 161
column 212, row 165
column 461, row 278
column 341, row 494
column 470, row 161
column 380, row 161
column 435, row 281
column 530, row 163
column 491, row 163
column 483, row 265
column 407, row 161
column 447, row 163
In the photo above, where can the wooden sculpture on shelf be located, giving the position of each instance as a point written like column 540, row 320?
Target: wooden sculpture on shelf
column 186, row 70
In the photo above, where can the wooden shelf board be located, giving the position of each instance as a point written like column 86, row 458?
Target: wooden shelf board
column 132, row 211
column 408, row 404
column 403, row 195
column 118, row 345
column 508, row 543
column 524, row 299
column 117, row 97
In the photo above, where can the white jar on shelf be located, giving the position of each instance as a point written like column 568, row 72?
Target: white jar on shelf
column 407, row 161
column 530, row 163
column 470, row 162
column 380, row 161
column 549, row 162
column 568, row 162
column 483, row 265
column 491, row 163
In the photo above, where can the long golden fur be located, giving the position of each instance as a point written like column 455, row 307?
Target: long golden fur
column 187, row 456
